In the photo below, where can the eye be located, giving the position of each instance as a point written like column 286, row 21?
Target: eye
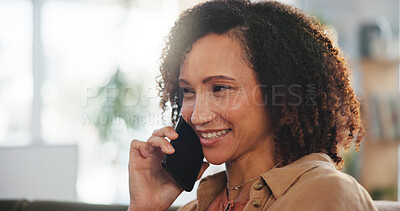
column 220, row 88
column 186, row 90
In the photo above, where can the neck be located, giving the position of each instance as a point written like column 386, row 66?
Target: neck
column 245, row 168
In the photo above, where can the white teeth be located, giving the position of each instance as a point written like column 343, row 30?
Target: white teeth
column 213, row 135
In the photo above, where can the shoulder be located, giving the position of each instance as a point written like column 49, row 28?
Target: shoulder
column 323, row 187
column 322, row 178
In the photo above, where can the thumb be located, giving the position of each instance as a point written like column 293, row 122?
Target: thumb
column 204, row 166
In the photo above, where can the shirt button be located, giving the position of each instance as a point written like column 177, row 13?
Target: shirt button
column 256, row 203
column 258, row 186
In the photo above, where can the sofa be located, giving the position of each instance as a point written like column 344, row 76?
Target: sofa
column 25, row 205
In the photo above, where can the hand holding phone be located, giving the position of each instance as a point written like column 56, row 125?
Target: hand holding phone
column 148, row 180
column 184, row 165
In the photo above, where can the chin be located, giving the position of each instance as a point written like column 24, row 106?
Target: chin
column 215, row 158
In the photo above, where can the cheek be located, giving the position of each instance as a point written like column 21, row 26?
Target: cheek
column 186, row 112
column 238, row 103
column 229, row 101
column 248, row 108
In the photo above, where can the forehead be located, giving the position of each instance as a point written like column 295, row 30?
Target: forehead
column 213, row 55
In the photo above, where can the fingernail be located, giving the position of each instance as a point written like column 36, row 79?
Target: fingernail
column 170, row 148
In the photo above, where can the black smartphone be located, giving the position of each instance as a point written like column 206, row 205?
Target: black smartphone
column 185, row 164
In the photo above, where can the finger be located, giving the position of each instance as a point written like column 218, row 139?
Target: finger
column 141, row 147
column 162, row 143
column 168, row 132
column 204, row 166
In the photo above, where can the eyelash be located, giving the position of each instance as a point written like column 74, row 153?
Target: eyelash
column 215, row 88
column 220, row 86
column 186, row 90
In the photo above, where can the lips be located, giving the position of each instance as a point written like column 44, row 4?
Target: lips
column 213, row 135
column 209, row 138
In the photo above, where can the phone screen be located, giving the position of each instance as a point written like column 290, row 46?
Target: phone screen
column 184, row 165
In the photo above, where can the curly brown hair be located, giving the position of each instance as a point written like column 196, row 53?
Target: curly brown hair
column 303, row 78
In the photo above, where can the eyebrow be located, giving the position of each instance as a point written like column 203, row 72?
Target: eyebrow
column 208, row 79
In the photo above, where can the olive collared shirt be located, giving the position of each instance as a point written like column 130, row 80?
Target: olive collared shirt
column 310, row 183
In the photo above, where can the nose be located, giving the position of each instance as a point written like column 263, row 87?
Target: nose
column 202, row 111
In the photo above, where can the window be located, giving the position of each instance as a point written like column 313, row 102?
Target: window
column 15, row 72
column 51, row 68
column 83, row 45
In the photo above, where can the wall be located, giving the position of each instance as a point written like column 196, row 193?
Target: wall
column 378, row 157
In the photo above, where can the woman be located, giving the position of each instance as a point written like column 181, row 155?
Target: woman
column 269, row 96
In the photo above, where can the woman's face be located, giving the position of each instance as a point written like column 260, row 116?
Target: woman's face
column 222, row 100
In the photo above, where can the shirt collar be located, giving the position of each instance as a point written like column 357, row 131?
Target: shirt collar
column 209, row 188
column 280, row 179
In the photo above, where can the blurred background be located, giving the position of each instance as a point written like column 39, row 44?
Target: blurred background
column 78, row 83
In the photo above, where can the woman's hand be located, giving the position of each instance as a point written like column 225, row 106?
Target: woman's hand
column 150, row 185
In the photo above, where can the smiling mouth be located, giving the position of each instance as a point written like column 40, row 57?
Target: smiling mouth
column 214, row 135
